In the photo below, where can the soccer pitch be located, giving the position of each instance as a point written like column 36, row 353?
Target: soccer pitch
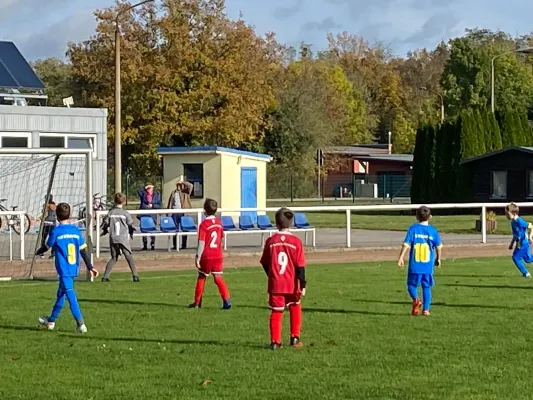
column 360, row 341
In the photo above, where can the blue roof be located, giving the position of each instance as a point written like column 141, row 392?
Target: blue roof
column 211, row 149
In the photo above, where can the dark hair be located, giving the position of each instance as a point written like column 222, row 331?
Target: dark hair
column 120, row 198
column 284, row 218
column 63, row 212
column 210, row 206
column 423, row 214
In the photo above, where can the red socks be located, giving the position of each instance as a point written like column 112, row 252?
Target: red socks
column 276, row 320
column 222, row 287
column 199, row 291
column 295, row 311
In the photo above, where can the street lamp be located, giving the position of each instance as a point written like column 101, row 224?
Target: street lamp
column 441, row 97
column 524, row 50
column 118, row 133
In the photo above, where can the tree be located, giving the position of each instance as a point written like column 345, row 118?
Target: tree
column 190, row 76
column 55, row 75
column 417, row 182
column 494, row 137
column 479, row 133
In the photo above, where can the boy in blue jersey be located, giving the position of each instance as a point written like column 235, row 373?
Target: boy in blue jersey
column 68, row 244
column 522, row 236
column 423, row 241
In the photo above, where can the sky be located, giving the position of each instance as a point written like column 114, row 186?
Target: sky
column 42, row 29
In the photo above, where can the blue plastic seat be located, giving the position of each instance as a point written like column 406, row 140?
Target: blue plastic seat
column 263, row 222
column 147, row 225
column 300, row 221
column 187, row 224
column 246, row 223
column 228, row 224
column 168, row 225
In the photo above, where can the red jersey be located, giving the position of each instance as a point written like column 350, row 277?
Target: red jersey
column 283, row 252
column 211, row 233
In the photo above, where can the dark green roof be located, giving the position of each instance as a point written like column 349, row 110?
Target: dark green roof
column 523, row 149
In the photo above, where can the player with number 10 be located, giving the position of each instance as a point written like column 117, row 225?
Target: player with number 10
column 425, row 246
column 209, row 256
column 283, row 260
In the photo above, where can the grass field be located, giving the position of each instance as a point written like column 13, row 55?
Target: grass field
column 360, row 341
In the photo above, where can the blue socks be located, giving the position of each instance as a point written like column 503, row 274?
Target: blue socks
column 427, row 298
column 413, row 291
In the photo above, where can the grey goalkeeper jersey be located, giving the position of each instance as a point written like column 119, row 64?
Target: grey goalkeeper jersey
column 119, row 221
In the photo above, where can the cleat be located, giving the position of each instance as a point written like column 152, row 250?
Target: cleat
column 416, row 307
column 426, row 313
column 226, row 305
column 295, row 342
column 528, row 275
column 275, row 346
column 82, row 328
column 105, row 280
column 194, row 305
column 136, row 279
column 43, row 321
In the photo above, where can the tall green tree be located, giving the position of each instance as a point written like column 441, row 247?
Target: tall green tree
column 419, row 165
column 56, row 76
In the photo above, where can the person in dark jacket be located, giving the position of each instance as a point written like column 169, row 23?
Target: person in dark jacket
column 50, row 220
column 149, row 199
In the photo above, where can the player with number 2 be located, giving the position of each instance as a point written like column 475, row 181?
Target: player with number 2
column 283, row 260
column 119, row 225
column 209, row 256
column 425, row 246
column 68, row 244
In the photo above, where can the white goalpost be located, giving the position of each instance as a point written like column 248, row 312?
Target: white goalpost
column 29, row 180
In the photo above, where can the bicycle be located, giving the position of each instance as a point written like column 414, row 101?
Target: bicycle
column 14, row 221
column 99, row 204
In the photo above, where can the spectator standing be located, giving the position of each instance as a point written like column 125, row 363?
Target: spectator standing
column 50, row 220
column 149, row 199
column 180, row 198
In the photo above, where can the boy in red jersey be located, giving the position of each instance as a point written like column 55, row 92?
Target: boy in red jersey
column 209, row 256
column 284, row 263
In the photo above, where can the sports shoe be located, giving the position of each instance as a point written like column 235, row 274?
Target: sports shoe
column 43, row 321
column 82, row 328
column 275, row 346
column 136, row 279
column 194, row 305
column 426, row 313
column 528, row 275
column 415, row 310
column 295, row 342
column 226, row 305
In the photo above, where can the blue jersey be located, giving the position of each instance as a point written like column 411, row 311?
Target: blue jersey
column 519, row 227
column 422, row 240
column 66, row 241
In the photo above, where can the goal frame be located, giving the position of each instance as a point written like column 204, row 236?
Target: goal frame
column 88, row 154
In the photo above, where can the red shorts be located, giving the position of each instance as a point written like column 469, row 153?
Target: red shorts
column 278, row 302
column 213, row 266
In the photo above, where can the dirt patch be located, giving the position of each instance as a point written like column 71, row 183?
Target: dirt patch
column 163, row 261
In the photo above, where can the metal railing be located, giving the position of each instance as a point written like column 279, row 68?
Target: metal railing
column 7, row 218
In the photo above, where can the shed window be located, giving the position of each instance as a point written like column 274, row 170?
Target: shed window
column 194, row 173
column 499, row 184
column 52, row 141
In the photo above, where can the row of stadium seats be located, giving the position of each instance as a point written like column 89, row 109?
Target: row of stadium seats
column 167, row 227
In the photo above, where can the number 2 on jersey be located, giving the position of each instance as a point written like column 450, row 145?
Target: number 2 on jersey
column 422, row 252
column 213, row 243
column 283, row 260
column 71, row 254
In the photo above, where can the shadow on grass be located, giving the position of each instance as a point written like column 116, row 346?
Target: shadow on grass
column 130, row 302
column 325, row 310
column 473, row 276
column 21, row 328
column 471, row 285
column 442, row 304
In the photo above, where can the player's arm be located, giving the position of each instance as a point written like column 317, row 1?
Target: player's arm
column 265, row 258
column 50, row 242
column 438, row 249
column 405, row 247
column 129, row 222
column 513, row 241
column 201, row 245
column 85, row 255
column 530, row 232
column 300, row 267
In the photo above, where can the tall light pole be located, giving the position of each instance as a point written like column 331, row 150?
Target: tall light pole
column 118, row 111
column 492, row 97
column 441, row 97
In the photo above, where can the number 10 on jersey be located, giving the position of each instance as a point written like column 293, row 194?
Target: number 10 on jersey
column 422, row 252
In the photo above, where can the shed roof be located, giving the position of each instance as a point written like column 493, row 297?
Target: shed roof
column 523, row 149
column 356, row 150
column 403, row 158
column 212, row 150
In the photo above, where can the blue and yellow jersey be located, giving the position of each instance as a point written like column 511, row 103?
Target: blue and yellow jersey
column 519, row 228
column 67, row 241
column 422, row 239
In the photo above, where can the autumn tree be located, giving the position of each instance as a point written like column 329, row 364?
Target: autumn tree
column 55, row 75
column 190, row 76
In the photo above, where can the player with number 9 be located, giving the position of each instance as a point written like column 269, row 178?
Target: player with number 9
column 283, row 260
column 424, row 243
column 68, row 245
column 210, row 256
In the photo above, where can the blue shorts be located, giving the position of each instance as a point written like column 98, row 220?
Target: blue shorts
column 426, row 280
column 523, row 253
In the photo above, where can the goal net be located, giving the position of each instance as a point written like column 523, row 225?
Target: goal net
column 30, row 179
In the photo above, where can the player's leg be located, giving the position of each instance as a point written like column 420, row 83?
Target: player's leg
column 518, row 259
column 111, row 263
column 68, row 284
column 50, row 321
column 145, row 243
column 131, row 263
column 216, row 270
column 413, row 280
column 295, row 311
column 199, row 289
column 427, row 284
column 277, row 306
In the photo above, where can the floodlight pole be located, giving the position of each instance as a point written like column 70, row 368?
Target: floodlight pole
column 492, row 78
column 441, row 98
column 118, row 110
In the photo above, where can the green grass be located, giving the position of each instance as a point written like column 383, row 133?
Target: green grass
column 360, row 341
